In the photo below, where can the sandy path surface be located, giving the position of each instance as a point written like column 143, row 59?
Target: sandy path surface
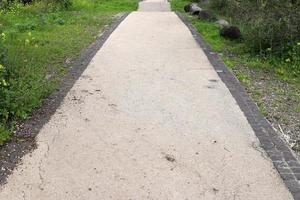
column 148, row 119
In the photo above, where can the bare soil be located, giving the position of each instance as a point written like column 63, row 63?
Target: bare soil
column 278, row 100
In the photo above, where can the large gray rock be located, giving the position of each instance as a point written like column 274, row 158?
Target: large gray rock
column 192, row 8
column 195, row 9
column 222, row 23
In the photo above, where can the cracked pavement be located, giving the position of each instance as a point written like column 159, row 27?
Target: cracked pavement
column 148, row 119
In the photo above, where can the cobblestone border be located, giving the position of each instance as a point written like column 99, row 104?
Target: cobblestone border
column 284, row 159
column 23, row 141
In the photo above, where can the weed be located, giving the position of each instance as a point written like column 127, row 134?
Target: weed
column 244, row 78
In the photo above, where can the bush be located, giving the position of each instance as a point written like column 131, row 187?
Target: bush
column 4, row 134
column 4, row 4
column 220, row 5
column 270, row 24
column 207, row 15
column 2, row 48
column 61, row 4
column 49, row 4
column 292, row 57
column 4, row 80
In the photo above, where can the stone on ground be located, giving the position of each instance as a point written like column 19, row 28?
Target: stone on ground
column 222, row 23
column 194, row 9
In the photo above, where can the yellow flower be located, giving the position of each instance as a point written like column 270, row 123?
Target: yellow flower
column 29, row 33
column 4, row 82
column 1, row 67
column 287, row 60
column 3, row 36
column 27, row 41
column 298, row 43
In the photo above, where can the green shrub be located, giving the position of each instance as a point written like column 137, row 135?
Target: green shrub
column 4, row 134
column 220, row 5
column 3, row 51
column 3, row 5
column 268, row 24
column 4, row 81
column 60, row 4
column 59, row 21
column 292, row 57
column 48, row 4
column 22, row 27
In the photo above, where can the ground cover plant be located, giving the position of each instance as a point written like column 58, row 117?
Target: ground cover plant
column 38, row 41
column 266, row 62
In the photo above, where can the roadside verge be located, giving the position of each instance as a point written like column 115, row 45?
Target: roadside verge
column 23, row 141
column 279, row 152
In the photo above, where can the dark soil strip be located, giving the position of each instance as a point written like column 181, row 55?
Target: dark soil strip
column 23, row 141
column 279, row 152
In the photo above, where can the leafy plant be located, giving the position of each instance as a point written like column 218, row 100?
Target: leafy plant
column 59, row 21
column 60, row 4
column 25, row 26
column 266, row 24
column 4, row 76
column 292, row 57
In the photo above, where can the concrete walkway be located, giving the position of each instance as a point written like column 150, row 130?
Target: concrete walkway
column 148, row 119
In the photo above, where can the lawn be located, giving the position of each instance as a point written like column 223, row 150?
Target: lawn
column 41, row 43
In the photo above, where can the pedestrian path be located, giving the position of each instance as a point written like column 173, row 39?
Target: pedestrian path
column 148, row 119
column 154, row 6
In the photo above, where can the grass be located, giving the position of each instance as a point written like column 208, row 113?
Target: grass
column 270, row 81
column 40, row 43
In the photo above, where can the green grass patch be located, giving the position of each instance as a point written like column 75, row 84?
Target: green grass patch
column 178, row 5
column 40, row 42
column 244, row 78
column 210, row 32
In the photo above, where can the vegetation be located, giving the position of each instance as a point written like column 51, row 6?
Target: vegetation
column 271, row 28
column 37, row 42
column 267, row 25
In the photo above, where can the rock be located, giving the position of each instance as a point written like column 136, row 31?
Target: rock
column 195, row 9
column 26, row 1
column 192, row 8
column 206, row 15
column 231, row 32
column 187, row 8
column 222, row 23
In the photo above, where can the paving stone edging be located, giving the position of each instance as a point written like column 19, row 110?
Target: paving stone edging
column 23, row 141
column 284, row 159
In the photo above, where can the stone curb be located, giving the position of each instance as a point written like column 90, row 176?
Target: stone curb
column 283, row 158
